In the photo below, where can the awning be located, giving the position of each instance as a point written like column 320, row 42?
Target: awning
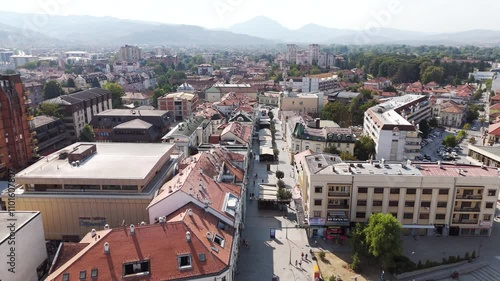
column 263, row 150
column 418, row 226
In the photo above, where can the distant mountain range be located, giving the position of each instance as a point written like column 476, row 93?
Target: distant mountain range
column 259, row 31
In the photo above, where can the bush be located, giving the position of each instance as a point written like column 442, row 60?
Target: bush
column 402, row 264
column 322, row 255
column 428, row 264
column 473, row 256
column 452, row 259
column 355, row 262
column 332, row 278
column 458, row 258
column 280, row 184
column 467, row 256
column 419, row 264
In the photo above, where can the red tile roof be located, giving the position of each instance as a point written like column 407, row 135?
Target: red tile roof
column 161, row 244
column 494, row 129
column 65, row 253
column 242, row 132
column 450, row 170
column 496, row 97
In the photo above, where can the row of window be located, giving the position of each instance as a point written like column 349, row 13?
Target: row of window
column 423, row 216
column 379, row 190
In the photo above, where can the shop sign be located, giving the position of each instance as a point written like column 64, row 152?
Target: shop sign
column 317, row 221
column 92, row 221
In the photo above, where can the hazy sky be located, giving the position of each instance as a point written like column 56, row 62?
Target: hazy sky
column 418, row 15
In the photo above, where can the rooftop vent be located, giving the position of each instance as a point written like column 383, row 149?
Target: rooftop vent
column 188, row 236
column 142, row 223
column 106, row 226
column 106, row 248
column 190, row 212
column 93, row 232
column 209, row 236
column 132, row 229
column 162, row 219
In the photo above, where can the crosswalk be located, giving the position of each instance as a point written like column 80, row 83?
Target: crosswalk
column 487, row 273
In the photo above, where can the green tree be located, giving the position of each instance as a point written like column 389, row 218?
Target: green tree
column 95, row 83
column 423, row 126
column 71, row 83
column 338, row 113
column 433, row 122
column 358, row 239
column 467, row 126
column 364, row 148
column 355, row 262
column 331, row 149
column 433, row 73
column 117, row 93
column 346, row 156
column 450, row 141
column 48, row 109
column 52, row 89
column 284, row 194
column 87, row 134
column 158, row 93
column 472, row 140
column 271, row 115
column 382, row 238
column 280, row 174
column 30, row 65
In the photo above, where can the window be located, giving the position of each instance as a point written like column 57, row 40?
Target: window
column 184, row 262
column 318, row 189
column 360, row 215
column 425, row 204
column 65, row 277
column 317, row 214
column 424, row 216
column 442, row 204
column 362, row 190
column 409, row 204
column 219, row 240
column 202, row 257
column 94, row 273
column 394, row 215
column 394, row 190
column 377, row 203
column 135, row 268
column 393, row 203
column 317, row 202
column 378, row 190
column 489, row 205
column 83, row 274
column 427, row 191
column 486, row 217
column 492, row 192
column 361, row 202
column 408, row 216
column 440, row 216
column 411, row 191
column 443, row 191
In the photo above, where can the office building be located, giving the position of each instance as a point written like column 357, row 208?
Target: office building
column 21, row 60
column 180, row 105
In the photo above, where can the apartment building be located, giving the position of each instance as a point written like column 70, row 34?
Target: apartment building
column 313, row 53
column 89, row 185
column 16, row 145
column 310, row 103
column 181, row 105
column 393, row 126
column 130, row 53
column 427, row 198
column 319, row 82
column 291, row 54
column 217, row 91
column 205, row 69
column 449, row 113
column 79, row 108
column 49, row 134
column 20, row 60
column 190, row 133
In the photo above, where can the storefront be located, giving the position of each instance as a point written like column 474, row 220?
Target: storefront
column 317, row 227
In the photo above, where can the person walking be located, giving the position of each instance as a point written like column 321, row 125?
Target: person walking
column 302, row 255
column 296, row 262
column 306, row 256
column 300, row 264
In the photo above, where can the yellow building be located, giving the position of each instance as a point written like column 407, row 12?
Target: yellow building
column 89, row 185
column 427, row 198
column 309, row 103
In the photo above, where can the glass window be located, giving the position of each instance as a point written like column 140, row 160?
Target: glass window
column 408, row 216
column 427, row 191
column 317, row 202
column 409, row 203
column 377, row 203
column 424, row 216
column 184, row 261
column 440, row 216
column 443, row 191
column 492, row 192
column 318, row 189
column 394, row 190
column 442, row 204
column 393, row 203
column 489, row 205
column 317, row 214
column 425, row 204
column 361, row 202
column 362, row 190
column 378, row 190
column 360, row 215
column 411, row 191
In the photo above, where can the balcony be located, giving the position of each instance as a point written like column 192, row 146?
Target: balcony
column 338, row 207
column 470, row 197
column 338, row 194
column 27, row 101
column 467, row 209
column 30, row 118
column 465, row 221
column 2, row 165
column 33, row 133
column 34, row 141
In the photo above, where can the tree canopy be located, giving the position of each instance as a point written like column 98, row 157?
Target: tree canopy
column 338, row 113
column 117, row 93
column 364, row 148
column 87, row 133
column 450, row 141
column 382, row 237
column 48, row 109
column 52, row 89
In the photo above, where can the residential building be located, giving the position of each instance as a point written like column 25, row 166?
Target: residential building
column 216, row 118
column 126, row 67
column 131, row 125
column 190, row 133
column 186, row 88
column 427, row 198
column 294, row 83
column 449, row 113
column 137, row 99
column 393, row 126
column 270, row 98
column 483, row 75
column 494, row 134
column 217, row 91
column 16, row 145
column 50, row 134
column 291, row 54
column 79, row 108
column 34, row 92
column 129, row 53
column 193, row 247
column 488, row 155
column 88, row 185
column 236, row 133
column 313, row 53
column 20, row 60
column 379, row 83
column 232, row 101
column 181, row 105
column 5, row 55
column 319, row 82
column 205, row 69
column 22, row 246
column 344, row 97
column 308, row 103
column 303, row 132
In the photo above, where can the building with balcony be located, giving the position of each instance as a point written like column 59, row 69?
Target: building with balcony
column 79, row 108
column 130, row 53
column 50, row 134
column 21, row 60
column 180, row 105
column 189, row 134
column 427, row 198
column 89, row 185
column 319, row 82
column 16, row 144
column 449, row 113
column 393, row 126
column 205, row 69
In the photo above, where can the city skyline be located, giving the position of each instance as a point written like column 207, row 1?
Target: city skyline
column 423, row 16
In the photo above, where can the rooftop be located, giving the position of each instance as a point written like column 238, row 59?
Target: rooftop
column 134, row 124
column 389, row 112
column 180, row 95
column 130, row 112
column 21, row 219
column 43, row 120
column 112, row 161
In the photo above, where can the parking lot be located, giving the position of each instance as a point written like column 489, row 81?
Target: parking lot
column 434, row 150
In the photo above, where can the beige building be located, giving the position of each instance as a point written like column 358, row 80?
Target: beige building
column 89, row 185
column 301, row 102
column 270, row 98
column 427, row 198
column 449, row 113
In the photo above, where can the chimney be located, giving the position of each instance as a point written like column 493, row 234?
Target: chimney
column 132, row 230
column 190, row 212
column 106, row 248
column 188, row 236
column 317, row 122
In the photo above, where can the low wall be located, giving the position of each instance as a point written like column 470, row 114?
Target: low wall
column 427, row 270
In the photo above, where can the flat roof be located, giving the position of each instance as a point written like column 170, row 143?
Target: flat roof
column 112, row 161
column 492, row 152
column 131, row 112
column 21, row 219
